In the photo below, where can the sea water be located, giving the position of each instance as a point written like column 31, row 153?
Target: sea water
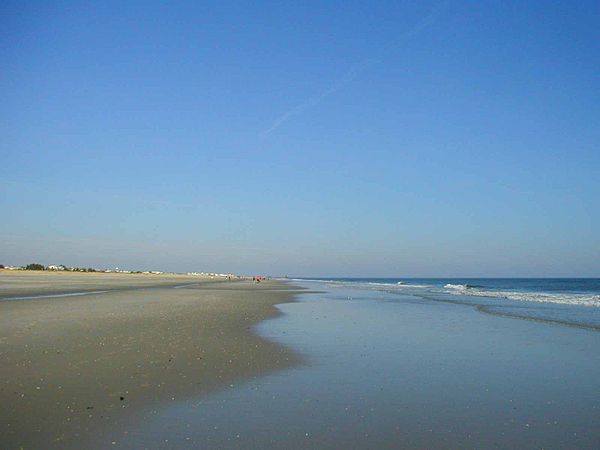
column 571, row 301
column 402, row 367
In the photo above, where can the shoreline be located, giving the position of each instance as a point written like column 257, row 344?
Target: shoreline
column 492, row 300
column 81, row 370
column 387, row 371
column 488, row 309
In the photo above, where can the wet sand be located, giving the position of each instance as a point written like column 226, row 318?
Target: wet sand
column 78, row 370
column 388, row 371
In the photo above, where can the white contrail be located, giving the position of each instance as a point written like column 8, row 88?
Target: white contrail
column 351, row 74
column 316, row 99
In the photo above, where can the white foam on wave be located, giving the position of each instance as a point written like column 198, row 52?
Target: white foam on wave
column 458, row 287
column 537, row 297
column 471, row 290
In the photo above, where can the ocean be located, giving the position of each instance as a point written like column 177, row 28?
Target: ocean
column 570, row 301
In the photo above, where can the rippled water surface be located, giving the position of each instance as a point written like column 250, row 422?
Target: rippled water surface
column 572, row 301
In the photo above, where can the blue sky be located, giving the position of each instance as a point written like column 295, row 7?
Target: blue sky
column 302, row 138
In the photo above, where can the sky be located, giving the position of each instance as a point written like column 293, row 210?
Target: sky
column 339, row 138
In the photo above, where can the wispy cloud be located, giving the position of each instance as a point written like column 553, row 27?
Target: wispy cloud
column 354, row 72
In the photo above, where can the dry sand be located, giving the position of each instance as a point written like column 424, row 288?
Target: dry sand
column 17, row 283
column 81, row 369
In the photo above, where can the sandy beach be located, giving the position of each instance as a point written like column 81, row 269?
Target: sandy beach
column 25, row 283
column 79, row 369
column 171, row 361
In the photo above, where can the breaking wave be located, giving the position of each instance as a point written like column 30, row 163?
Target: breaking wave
column 537, row 297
